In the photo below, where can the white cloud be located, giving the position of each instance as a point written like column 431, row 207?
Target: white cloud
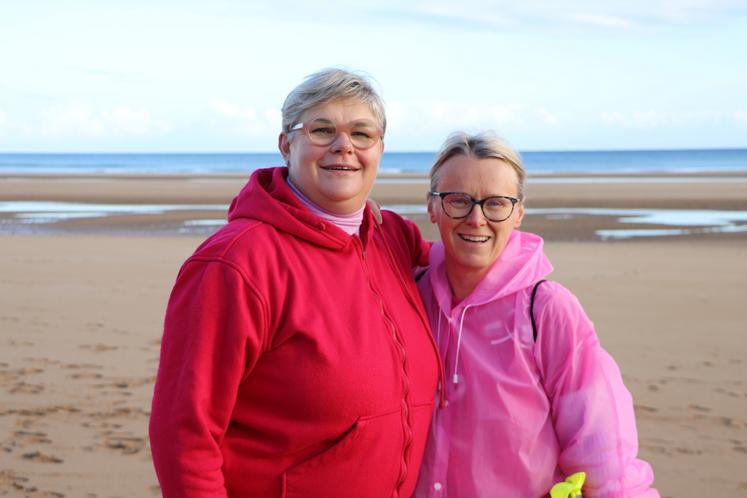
column 606, row 15
column 249, row 121
column 603, row 21
column 463, row 14
column 740, row 117
column 445, row 115
column 637, row 119
column 660, row 119
column 546, row 116
column 77, row 119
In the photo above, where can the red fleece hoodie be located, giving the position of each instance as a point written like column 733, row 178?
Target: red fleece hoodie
column 296, row 359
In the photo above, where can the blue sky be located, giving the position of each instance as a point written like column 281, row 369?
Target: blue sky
column 168, row 75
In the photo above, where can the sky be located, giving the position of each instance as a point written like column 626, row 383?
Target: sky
column 199, row 76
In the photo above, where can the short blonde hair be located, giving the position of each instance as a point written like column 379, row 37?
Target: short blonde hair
column 483, row 145
column 329, row 85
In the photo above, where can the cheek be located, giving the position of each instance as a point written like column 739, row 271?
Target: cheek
column 301, row 157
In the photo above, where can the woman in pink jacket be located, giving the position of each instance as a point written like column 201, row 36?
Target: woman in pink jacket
column 517, row 413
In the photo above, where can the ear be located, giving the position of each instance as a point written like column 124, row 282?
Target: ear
column 431, row 208
column 284, row 147
column 519, row 215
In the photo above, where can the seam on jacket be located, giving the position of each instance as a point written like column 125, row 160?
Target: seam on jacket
column 252, row 225
column 247, row 283
column 618, row 446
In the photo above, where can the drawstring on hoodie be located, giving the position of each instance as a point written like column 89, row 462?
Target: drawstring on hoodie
column 455, row 378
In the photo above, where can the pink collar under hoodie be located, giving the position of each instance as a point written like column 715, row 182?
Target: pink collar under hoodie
column 518, row 416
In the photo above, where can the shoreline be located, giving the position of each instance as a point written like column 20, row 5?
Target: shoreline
column 565, row 207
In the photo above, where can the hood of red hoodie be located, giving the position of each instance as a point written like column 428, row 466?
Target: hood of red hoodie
column 266, row 197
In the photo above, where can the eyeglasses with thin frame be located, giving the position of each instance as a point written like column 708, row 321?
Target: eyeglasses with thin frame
column 363, row 134
column 459, row 205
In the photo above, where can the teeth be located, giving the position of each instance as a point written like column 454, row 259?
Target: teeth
column 474, row 238
column 340, row 168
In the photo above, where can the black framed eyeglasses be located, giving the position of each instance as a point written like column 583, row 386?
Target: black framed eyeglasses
column 459, row 205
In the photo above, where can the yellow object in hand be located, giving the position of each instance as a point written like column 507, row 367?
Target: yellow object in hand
column 570, row 488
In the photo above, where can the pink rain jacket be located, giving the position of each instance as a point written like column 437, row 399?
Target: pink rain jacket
column 518, row 416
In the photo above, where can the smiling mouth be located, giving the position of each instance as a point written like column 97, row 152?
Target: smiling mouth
column 340, row 168
column 474, row 239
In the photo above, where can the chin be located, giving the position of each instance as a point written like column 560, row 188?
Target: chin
column 475, row 263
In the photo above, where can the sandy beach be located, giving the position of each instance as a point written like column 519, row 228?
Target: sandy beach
column 82, row 302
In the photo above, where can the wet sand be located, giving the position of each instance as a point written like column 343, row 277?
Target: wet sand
column 81, row 315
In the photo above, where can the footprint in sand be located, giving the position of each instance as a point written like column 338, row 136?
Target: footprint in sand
column 25, row 388
column 85, row 375
column 699, row 408
column 26, row 438
column 730, row 422
column 688, row 451
column 43, row 362
column 37, row 456
column 82, row 366
column 20, row 344
column 644, row 408
column 99, row 348
column 124, row 443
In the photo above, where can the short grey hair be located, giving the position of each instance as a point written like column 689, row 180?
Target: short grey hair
column 329, row 85
column 483, row 145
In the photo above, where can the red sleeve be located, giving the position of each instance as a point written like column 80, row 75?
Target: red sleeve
column 212, row 338
column 408, row 238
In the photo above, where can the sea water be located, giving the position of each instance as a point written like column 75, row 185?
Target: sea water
column 536, row 162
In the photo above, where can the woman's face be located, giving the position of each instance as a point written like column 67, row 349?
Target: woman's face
column 474, row 243
column 337, row 177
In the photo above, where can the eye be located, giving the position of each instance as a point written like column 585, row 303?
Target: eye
column 458, row 200
column 363, row 130
column 497, row 203
column 322, row 128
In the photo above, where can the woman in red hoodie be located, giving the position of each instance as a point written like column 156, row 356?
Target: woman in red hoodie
column 296, row 358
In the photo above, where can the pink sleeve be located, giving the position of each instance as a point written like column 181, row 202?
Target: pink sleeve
column 207, row 349
column 591, row 408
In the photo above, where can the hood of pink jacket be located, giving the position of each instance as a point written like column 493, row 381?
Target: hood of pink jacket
column 520, row 265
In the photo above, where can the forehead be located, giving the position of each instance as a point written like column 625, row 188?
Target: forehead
column 477, row 177
column 341, row 111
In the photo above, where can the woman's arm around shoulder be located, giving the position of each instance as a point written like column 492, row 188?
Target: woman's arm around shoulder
column 592, row 409
column 405, row 236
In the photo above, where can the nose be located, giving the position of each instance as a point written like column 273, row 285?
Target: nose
column 476, row 217
column 342, row 143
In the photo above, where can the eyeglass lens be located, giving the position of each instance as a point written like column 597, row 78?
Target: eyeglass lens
column 363, row 134
column 494, row 208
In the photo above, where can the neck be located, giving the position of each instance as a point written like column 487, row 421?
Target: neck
column 463, row 281
column 349, row 222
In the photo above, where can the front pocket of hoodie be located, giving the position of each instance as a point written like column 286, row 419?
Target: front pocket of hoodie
column 364, row 463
